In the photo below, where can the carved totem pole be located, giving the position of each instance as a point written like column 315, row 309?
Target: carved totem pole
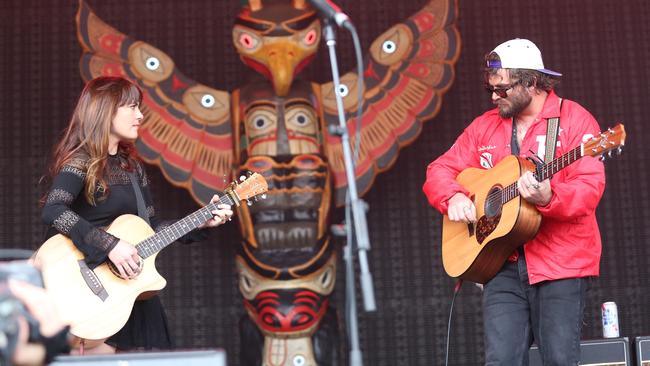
column 277, row 126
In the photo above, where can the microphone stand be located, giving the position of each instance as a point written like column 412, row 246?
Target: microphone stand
column 357, row 223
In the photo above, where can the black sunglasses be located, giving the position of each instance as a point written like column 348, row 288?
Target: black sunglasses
column 502, row 91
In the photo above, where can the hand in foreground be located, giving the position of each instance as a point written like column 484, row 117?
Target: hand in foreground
column 222, row 214
column 537, row 193
column 461, row 209
column 125, row 257
column 40, row 306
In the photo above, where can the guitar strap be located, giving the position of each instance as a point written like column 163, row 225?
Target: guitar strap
column 552, row 130
column 142, row 211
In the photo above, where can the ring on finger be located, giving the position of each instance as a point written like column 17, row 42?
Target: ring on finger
column 536, row 185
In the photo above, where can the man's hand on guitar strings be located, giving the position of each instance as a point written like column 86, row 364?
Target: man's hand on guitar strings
column 125, row 258
column 461, row 208
column 537, row 193
column 222, row 214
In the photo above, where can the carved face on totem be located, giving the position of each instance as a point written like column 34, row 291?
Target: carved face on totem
column 279, row 126
column 281, row 138
column 277, row 39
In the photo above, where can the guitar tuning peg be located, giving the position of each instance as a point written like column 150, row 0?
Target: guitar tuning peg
column 248, row 202
column 609, row 154
column 619, row 150
column 602, row 158
column 242, row 178
column 263, row 196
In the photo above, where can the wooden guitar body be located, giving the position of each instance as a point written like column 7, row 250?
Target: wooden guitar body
column 71, row 286
column 476, row 252
column 97, row 303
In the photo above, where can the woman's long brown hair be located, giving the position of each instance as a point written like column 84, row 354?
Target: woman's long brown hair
column 84, row 143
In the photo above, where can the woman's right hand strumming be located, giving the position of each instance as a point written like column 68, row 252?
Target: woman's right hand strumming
column 125, row 258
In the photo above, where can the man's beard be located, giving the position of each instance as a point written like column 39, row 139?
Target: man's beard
column 515, row 103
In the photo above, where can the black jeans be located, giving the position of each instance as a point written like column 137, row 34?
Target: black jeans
column 516, row 313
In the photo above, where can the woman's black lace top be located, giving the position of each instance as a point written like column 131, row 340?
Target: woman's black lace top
column 68, row 212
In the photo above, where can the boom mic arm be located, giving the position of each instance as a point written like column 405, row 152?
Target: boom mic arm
column 331, row 11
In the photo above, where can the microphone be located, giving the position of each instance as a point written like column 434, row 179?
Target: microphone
column 331, row 11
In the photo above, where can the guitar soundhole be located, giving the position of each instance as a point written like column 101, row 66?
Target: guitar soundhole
column 493, row 202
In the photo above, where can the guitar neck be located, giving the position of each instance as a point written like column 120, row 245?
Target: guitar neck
column 171, row 233
column 545, row 171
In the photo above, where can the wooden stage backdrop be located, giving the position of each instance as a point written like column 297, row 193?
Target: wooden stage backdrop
column 600, row 46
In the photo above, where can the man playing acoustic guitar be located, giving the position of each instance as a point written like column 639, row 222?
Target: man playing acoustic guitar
column 538, row 294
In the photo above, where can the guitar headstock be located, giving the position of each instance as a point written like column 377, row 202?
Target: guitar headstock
column 249, row 187
column 611, row 139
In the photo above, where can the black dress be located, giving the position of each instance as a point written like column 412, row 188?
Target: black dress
column 68, row 212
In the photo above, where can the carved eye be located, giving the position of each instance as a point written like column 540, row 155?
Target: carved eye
column 389, row 47
column 299, row 360
column 149, row 63
column 326, row 278
column 208, row 100
column 208, row 104
column 246, row 283
column 393, row 46
column 260, row 122
column 261, row 119
column 152, row 63
column 301, row 119
column 310, row 37
column 247, row 41
column 343, row 90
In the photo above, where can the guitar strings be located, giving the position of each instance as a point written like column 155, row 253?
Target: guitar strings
column 554, row 166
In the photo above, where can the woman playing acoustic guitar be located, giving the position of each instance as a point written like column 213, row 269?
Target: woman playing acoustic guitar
column 94, row 178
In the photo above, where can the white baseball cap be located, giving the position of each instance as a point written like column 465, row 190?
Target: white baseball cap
column 519, row 54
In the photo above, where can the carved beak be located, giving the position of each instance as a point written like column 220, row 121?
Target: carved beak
column 282, row 58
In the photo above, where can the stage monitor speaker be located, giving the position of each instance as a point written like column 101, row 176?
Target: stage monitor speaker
column 184, row 358
column 642, row 351
column 610, row 352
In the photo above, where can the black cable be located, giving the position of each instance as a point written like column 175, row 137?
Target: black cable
column 459, row 283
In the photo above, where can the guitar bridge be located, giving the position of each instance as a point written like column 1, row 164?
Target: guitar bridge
column 471, row 229
column 92, row 280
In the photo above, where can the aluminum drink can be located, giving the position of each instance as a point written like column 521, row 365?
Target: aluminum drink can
column 610, row 320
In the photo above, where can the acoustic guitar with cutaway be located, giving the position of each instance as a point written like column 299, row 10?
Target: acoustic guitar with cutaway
column 97, row 302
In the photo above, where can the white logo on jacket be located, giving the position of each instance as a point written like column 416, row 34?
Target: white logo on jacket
column 486, row 160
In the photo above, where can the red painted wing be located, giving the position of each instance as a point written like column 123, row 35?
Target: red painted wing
column 409, row 68
column 186, row 130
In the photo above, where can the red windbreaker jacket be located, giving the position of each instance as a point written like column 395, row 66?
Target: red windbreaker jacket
column 568, row 242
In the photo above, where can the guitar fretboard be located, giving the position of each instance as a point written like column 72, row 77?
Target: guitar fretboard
column 546, row 171
column 173, row 232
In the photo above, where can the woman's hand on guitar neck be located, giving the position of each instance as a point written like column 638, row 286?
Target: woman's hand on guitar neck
column 125, row 258
column 461, row 208
column 222, row 214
